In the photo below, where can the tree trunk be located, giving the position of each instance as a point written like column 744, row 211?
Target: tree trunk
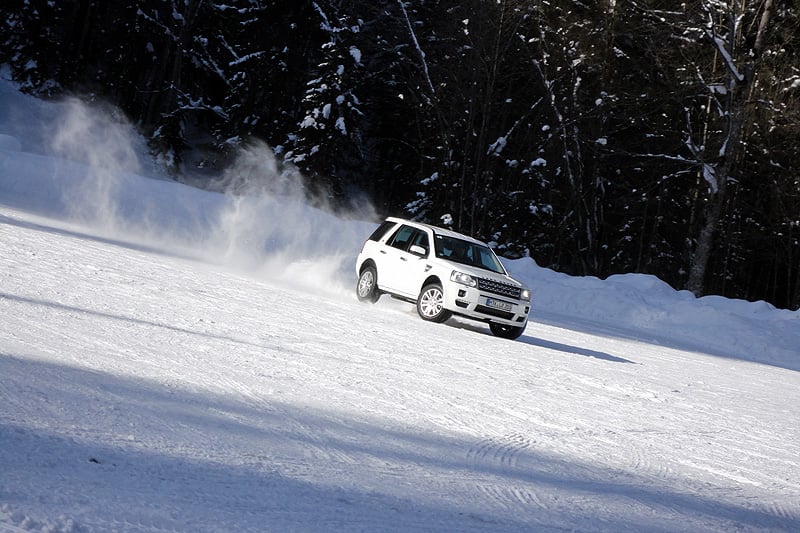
column 736, row 112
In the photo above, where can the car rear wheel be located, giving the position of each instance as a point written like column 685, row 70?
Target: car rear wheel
column 506, row 332
column 367, row 287
column 430, row 304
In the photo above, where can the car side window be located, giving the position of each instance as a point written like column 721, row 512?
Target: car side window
column 381, row 230
column 421, row 239
column 402, row 237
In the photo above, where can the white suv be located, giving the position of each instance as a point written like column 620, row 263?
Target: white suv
column 445, row 273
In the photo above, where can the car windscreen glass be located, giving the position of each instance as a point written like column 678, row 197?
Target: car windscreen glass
column 467, row 253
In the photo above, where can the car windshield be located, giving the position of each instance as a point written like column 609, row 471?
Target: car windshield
column 467, row 253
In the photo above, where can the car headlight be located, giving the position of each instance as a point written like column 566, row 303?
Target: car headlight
column 464, row 279
column 525, row 294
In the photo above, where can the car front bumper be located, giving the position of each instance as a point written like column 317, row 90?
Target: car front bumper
column 479, row 305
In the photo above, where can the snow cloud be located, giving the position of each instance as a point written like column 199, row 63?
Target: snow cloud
column 267, row 224
column 101, row 140
column 263, row 218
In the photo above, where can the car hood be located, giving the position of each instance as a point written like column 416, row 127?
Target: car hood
column 482, row 273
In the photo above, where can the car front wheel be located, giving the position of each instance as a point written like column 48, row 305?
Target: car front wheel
column 430, row 304
column 367, row 287
column 506, row 332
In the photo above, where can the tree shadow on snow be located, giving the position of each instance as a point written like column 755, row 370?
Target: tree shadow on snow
column 101, row 314
column 76, row 234
column 109, row 452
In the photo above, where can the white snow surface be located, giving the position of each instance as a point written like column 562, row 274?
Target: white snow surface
column 179, row 360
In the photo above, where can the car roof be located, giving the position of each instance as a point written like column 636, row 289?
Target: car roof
column 437, row 230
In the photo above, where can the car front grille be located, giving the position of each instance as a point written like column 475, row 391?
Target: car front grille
column 496, row 287
column 494, row 312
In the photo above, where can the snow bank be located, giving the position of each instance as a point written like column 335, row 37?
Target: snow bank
column 645, row 304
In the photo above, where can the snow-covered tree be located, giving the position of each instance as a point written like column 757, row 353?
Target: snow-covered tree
column 327, row 139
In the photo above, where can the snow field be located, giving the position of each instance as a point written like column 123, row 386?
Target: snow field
column 148, row 392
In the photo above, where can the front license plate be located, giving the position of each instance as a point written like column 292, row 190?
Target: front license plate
column 497, row 304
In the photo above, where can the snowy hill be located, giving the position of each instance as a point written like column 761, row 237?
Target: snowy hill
column 179, row 360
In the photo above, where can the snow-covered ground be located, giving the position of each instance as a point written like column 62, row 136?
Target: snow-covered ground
column 178, row 360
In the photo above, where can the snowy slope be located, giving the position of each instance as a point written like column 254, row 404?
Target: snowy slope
column 177, row 360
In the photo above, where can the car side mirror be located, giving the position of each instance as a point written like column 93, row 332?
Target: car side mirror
column 418, row 250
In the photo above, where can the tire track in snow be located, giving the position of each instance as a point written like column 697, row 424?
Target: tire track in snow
column 782, row 511
column 504, row 455
column 503, row 450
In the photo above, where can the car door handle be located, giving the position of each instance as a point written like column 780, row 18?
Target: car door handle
column 383, row 252
column 403, row 259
